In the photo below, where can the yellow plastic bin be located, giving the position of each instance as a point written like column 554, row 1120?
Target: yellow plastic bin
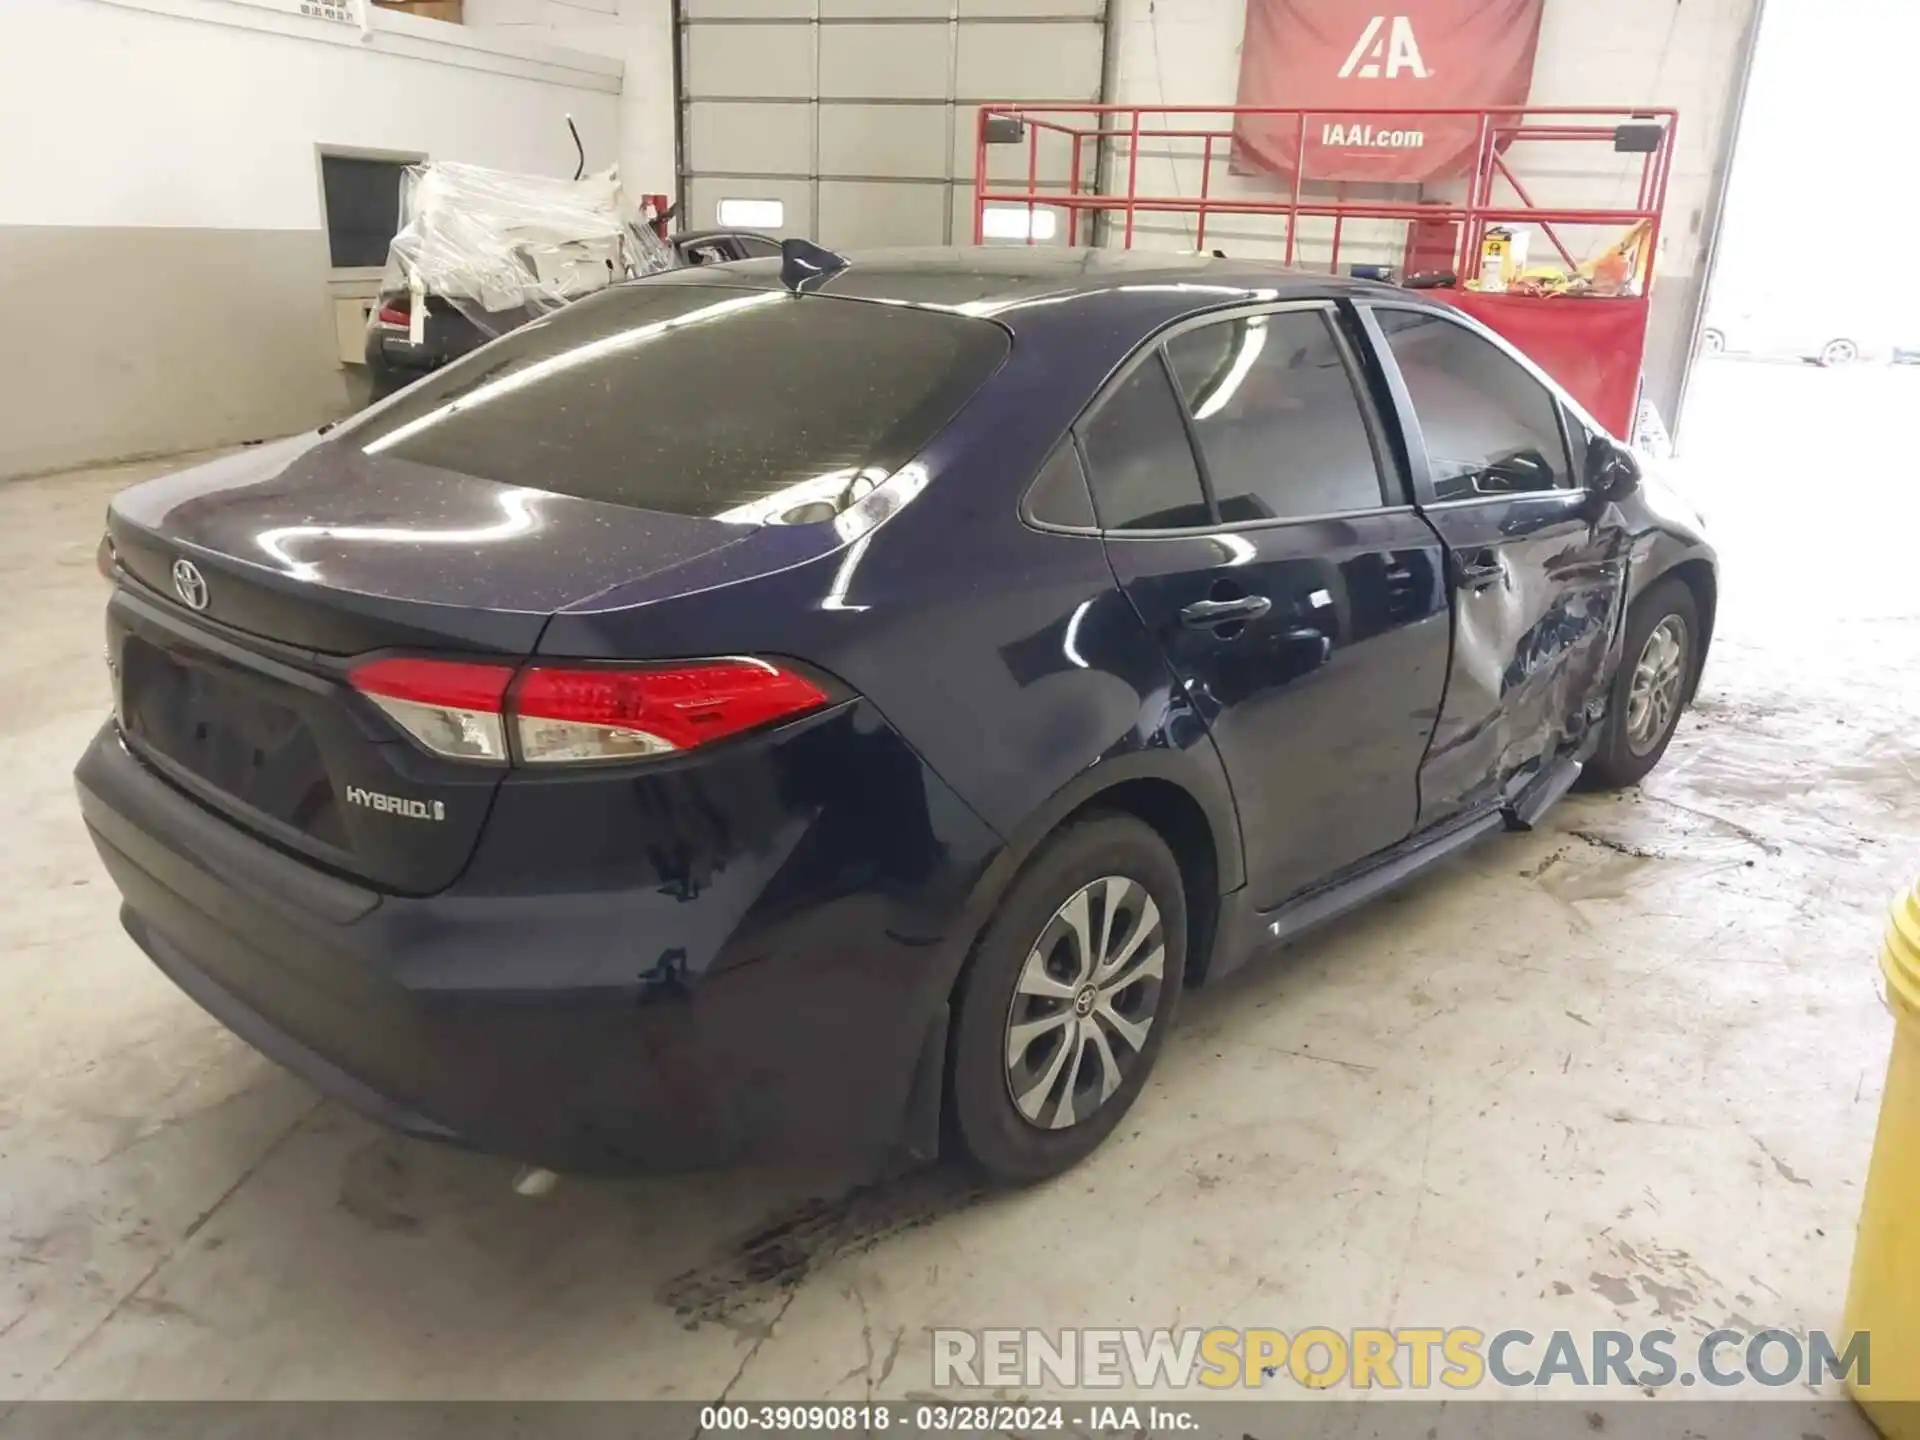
column 1883, row 1298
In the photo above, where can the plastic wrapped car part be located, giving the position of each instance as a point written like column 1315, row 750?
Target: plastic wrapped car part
column 503, row 248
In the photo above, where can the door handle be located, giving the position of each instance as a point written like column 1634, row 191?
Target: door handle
column 1205, row 614
column 1480, row 570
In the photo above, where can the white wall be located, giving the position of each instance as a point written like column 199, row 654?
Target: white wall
column 197, row 118
column 161, row 221
column 637, row 32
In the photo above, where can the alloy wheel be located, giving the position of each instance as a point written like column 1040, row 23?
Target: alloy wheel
column 1658, row 676
column 1839, row 352
column 1085, row 999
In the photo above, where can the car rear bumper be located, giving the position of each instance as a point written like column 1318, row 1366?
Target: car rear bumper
column 791, row 1005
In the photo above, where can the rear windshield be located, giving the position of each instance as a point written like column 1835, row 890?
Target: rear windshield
column 700, row 400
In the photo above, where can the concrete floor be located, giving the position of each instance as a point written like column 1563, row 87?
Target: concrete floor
column 1621, row 1072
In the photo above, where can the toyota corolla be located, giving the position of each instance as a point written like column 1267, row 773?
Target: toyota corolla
column 773, row 709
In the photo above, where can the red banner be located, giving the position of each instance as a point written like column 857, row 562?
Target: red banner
column 1341, row 55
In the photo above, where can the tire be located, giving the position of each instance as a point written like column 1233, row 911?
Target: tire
column 1836, row 353
column 1630, row 745
column 1100, row 860
column 1713, row 342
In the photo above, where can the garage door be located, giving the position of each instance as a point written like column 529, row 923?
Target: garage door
column 851, row 122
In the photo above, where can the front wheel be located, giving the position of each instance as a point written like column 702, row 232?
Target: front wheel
column 1653, row 686
column 1838, row 352
column 1067, row 998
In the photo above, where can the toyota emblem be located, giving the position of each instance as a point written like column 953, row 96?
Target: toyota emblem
column 189, row 585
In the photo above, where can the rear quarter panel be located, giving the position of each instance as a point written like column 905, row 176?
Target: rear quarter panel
column 1007, row 657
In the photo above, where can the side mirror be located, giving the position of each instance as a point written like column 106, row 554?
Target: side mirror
column 1613, row 471
column 1515, row 473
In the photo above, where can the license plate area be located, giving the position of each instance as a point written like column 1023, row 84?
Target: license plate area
column 226, row 730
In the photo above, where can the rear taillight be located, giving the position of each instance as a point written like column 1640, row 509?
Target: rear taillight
column 452, row 707
column 563, row 715
column 560, row 715
column 397, row 313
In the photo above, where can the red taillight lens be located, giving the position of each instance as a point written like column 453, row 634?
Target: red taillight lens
column 397, row 313
column 567, row 715
column 452, row 707
column 571, row 715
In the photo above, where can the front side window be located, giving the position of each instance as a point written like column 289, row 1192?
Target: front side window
column 1490, row 427
column 1144, row 476
column 1277, row 420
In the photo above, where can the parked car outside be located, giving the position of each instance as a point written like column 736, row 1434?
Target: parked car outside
column 1808, row 327
column 721, row 721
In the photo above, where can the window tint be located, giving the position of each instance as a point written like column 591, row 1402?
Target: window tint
column 1143, row 475
column 1277, row 419
column 1059, row 496
column 740, row 405
column 1490, row 427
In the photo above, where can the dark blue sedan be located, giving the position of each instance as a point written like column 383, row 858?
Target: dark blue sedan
column 743, row 715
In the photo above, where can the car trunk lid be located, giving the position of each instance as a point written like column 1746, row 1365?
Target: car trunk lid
column 319, row 545
column 234, row 679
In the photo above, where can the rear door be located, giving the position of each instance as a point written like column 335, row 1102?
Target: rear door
column 1254, row 519
column 1536, row 572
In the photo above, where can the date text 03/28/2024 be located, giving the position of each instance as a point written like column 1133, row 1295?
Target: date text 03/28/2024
column 963, row 1417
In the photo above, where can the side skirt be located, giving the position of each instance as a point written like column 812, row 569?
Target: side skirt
column 1246, row 932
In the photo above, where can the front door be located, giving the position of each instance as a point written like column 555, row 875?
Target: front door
column 1252, row 518
column 1536, row 570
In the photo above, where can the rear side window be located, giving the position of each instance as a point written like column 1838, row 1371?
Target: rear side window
column 1059, row 494
column 698, row 400
column 1143, row 473
column 1276, row 417
column 1490, row 427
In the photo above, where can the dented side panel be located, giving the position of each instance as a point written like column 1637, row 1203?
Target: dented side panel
column 1532, row 638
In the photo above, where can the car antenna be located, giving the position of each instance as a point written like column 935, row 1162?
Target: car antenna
column 802, row 263
column 580, row 167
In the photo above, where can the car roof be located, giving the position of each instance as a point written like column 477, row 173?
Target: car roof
column 1002, row 282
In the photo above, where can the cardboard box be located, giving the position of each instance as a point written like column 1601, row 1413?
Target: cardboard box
column 448, row 10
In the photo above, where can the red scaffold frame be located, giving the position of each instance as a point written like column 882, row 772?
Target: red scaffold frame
column 1087, row 128
column 1595, row 348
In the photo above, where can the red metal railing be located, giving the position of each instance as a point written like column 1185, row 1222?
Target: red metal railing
column 1115, row 133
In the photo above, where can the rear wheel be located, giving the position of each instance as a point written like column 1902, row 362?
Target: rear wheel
column 1653, row 685
column 1713, row 342
column 1067, row 999
column 1839, row 352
